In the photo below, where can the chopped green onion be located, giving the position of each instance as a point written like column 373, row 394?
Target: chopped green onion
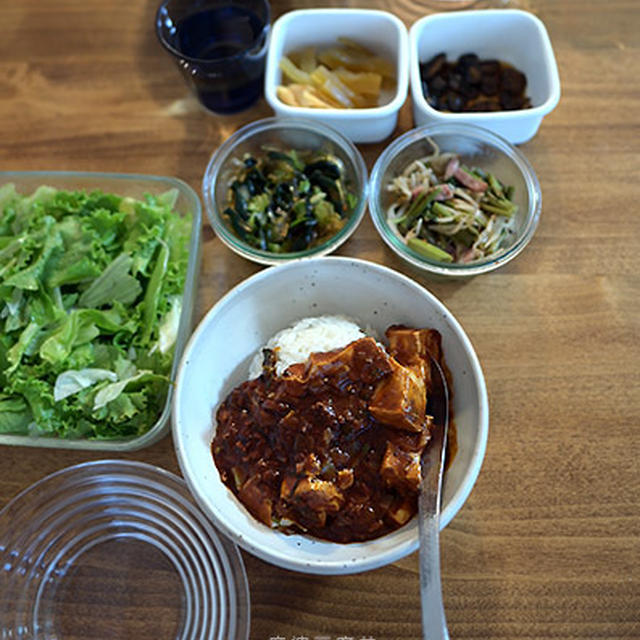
column 429, row 250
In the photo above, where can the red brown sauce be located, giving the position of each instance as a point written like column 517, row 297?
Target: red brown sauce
column 332, row 447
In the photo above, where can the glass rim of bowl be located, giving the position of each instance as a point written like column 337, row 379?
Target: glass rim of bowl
column 65, row 515
column 273, row 123
column 477, row 267
column 266, row 27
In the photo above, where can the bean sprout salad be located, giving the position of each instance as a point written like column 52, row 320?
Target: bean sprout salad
column 449, row 212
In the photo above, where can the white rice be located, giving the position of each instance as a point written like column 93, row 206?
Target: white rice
column 297, row 342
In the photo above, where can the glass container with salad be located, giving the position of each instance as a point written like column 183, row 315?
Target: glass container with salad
column 281, row 189
column 96, row 279
column 454, row 199
column 448, row 211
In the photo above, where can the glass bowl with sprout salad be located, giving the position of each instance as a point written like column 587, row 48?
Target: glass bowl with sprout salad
column 454, row 200
column 285, row 188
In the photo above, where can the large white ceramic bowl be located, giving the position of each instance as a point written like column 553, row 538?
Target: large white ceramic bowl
column 217, row 359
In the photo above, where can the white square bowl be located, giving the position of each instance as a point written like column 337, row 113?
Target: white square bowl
column 509, row 35
column 380, row 31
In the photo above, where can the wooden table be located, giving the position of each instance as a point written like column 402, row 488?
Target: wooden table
column 548, row 544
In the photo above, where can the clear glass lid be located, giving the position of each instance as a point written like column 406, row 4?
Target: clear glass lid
column 117, row 549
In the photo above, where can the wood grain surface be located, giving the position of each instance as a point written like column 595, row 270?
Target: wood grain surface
column 548, row 544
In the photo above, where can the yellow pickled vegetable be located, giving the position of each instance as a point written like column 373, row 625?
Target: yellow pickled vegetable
column 292, row 72
column 352, row 44
column 356, row 61
column 344, row 76
column 330, row 84
column 366, row 84
column 310, row 98
column 308, row 59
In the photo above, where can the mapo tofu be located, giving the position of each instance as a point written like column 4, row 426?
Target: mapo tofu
column 332, row 447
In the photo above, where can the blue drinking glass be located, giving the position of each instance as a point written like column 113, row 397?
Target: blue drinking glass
column 220, row 47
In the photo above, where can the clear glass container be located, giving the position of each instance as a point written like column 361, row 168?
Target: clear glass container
column 135, row 186
column 117, row 549
column 283, row 134
column 476, row 147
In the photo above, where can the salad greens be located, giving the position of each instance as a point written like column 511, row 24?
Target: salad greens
column 90, row 299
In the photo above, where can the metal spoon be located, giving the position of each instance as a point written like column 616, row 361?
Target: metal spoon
column 434, row 623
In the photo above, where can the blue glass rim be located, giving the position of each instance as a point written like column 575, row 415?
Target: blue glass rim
column 160, row 22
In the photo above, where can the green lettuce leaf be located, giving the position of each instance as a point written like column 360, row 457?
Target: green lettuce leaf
column 15, row 416
column 14, row 355
column 70, row 382
column 114, row 284
column 168, row 330
column 152, row 296
column 29, row 277
column 112, row 391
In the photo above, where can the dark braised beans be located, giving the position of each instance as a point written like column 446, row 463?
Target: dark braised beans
column 471, row 84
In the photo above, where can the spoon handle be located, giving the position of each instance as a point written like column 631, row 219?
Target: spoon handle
column 434, row 624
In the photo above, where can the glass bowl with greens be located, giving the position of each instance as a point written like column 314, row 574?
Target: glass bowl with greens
column 283, row 189
column 97, row 284
column 454, row 200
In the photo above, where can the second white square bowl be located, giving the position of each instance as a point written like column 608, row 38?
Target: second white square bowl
column 509, row 35
column 379, row 31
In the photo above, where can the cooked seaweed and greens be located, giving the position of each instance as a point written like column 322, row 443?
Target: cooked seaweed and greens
column 288, row 201
column 91, row 291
